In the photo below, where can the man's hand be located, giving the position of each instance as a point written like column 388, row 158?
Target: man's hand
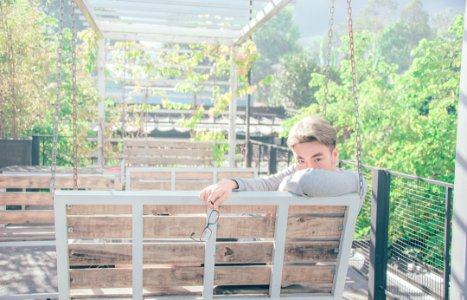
column 214, row 195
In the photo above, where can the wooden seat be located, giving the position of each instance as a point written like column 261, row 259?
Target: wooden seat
column 180, row 179
column 264, row 244
column 27, row 213
column 168, row 153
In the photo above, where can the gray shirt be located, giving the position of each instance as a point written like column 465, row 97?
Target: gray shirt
column 307, row 182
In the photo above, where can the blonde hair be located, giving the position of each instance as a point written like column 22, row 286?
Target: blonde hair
column 310, row 129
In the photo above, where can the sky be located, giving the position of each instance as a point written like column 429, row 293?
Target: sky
column 312, row 17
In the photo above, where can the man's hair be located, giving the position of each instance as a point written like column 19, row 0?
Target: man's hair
column 310, row 129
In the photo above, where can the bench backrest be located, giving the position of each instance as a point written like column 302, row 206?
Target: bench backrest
column 168, row 153
column 26, row 205
column 180, row 179
column 264, row 243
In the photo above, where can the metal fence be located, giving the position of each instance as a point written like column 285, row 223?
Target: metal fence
column 403, row 232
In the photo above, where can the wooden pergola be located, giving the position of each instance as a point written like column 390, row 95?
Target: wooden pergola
column 229, row 22
column 219, row 22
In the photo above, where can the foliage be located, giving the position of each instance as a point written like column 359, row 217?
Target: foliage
column 290, row 86
column 276, row 38
column 28, row 84
column 27, row 57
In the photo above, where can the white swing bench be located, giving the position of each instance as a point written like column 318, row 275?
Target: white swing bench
column 266, row 245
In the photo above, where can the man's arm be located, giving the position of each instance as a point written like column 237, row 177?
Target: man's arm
column 323, row 183
column 270, row 183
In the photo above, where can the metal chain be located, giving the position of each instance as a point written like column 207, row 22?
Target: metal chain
column 328, row 57
column 58, row 99
column 74, row 100
column 355, row 97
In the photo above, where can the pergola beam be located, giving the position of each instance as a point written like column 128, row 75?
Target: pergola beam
column 271, row 9
column 166, row 38
column 88, row 14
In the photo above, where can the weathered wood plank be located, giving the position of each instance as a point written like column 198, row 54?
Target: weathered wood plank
column 170, row 253
column 156, row 150
column 311, row 252
column 29, row 233
column 26, row 198
column 169, row 227
column 99, row 210
column 150, row 175
column 308, row 275
column 61, row 182
column 167, row 143
column 169, row 209
column 149, row 185
column 26, row 216
column 316, row 210
column 314, row 227
column 173, row 161
column 234, row 174
column 193, row 276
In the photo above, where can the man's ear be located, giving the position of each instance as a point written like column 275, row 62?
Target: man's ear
column 335, row 155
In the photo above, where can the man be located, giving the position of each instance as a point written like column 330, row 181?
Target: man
column 315, row 173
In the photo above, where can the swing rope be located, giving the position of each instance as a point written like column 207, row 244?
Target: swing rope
column 327, row 66
column 355, row 98
column 74, row 98
column 57, row 103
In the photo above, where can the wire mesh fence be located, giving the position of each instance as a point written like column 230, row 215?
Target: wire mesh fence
column 417, row 239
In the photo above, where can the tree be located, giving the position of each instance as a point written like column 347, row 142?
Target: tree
column 276, row 38
column 26, row 62
column 290, row 87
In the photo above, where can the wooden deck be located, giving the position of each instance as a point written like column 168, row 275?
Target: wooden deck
column 32, row 270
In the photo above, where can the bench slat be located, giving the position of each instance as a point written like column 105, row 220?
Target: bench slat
column 169, row 227
column 25, row 198
column 61, row 182
column 167, row 209
column 193, row 276
column 193, row 253
column 27, row 216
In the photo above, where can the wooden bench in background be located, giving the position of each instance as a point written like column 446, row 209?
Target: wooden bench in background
column 26, row 213
column 168, row 153
column 284, row 246
column 180, row 179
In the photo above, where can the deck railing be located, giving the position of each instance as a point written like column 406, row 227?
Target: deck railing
column 403, row 233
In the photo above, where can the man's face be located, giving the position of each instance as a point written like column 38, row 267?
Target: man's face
column 315, row 155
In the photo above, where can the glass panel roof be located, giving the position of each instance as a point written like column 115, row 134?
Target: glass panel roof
column 180, row 21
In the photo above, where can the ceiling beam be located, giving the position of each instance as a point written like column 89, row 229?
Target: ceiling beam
column 89, row 15
column 271, row 9
column 135, row 28
column 167, row 38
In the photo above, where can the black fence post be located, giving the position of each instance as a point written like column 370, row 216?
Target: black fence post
column 249, row 153
column 272, row 160
column 379, row 235
column 447, row 242
column 35, row 155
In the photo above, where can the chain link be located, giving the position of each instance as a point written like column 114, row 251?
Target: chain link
column 328, row 57
column 58, row 99
column 74, row 100
column 355, row 98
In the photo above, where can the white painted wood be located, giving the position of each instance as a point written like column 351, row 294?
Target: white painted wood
column 137, row 250
column 61, row 234
column 458, row 288
column 279, row 248
column 209, row 261
column 174, row 171
column 138, row 199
